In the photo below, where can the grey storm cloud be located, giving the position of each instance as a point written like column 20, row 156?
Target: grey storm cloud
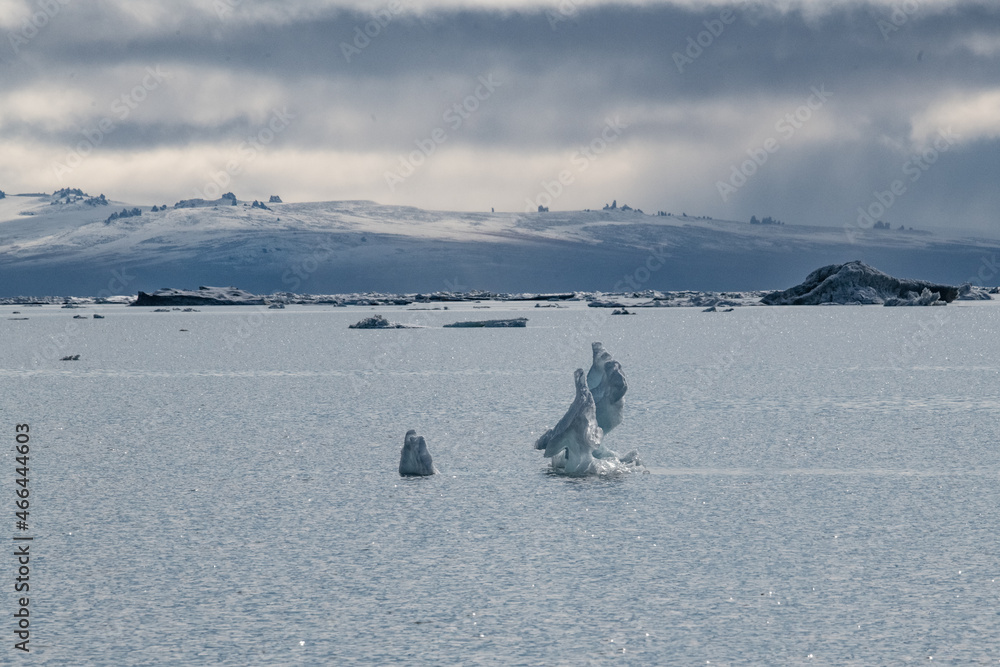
column 701, row 90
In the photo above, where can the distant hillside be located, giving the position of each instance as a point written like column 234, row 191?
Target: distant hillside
column 73, row 245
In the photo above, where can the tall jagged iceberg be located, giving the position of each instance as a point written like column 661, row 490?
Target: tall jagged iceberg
column 415, row 459
column 571, row 443
column 574, row 444
column 608, row 386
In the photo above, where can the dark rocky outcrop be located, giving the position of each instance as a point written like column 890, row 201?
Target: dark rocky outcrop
column 491, row 324
column 378, row 322
column 857, row 283
column 203, row 296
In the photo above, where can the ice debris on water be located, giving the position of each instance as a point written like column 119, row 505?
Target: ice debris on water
column 925, row 298
column 970, row 292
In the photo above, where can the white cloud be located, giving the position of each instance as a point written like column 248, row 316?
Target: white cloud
column 970, row 116
column 153, row 15
column 983, row 44
column 46, row 106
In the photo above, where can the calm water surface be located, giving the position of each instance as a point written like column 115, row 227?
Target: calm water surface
column 822, row 488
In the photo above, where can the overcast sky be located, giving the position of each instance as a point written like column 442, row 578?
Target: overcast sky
column 804, row 111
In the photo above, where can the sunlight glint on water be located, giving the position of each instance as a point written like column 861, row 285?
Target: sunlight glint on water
column 822, row 484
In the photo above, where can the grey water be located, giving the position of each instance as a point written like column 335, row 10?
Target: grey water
column 220, row 487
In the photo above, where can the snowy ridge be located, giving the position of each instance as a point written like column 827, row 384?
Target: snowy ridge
column 51, row 245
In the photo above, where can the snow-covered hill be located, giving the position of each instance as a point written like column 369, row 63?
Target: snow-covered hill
column 65, row 246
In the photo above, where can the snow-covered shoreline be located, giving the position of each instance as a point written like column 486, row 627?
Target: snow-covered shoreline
column 631, row 300
column 229, row 296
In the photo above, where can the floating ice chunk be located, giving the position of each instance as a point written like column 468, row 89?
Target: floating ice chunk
column 571, row 443
column 378, row 322
column 415, row 459
column 969, row 292
column 491, row 324
column 608, row 386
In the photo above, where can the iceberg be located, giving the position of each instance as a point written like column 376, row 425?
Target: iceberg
column 571, row 443
column 490, row 324
column 856, row 283
column 415, row 460
column 969, row 292
column 379, row 322
column 203, row 296
column 574, row 444
column 607, row 384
